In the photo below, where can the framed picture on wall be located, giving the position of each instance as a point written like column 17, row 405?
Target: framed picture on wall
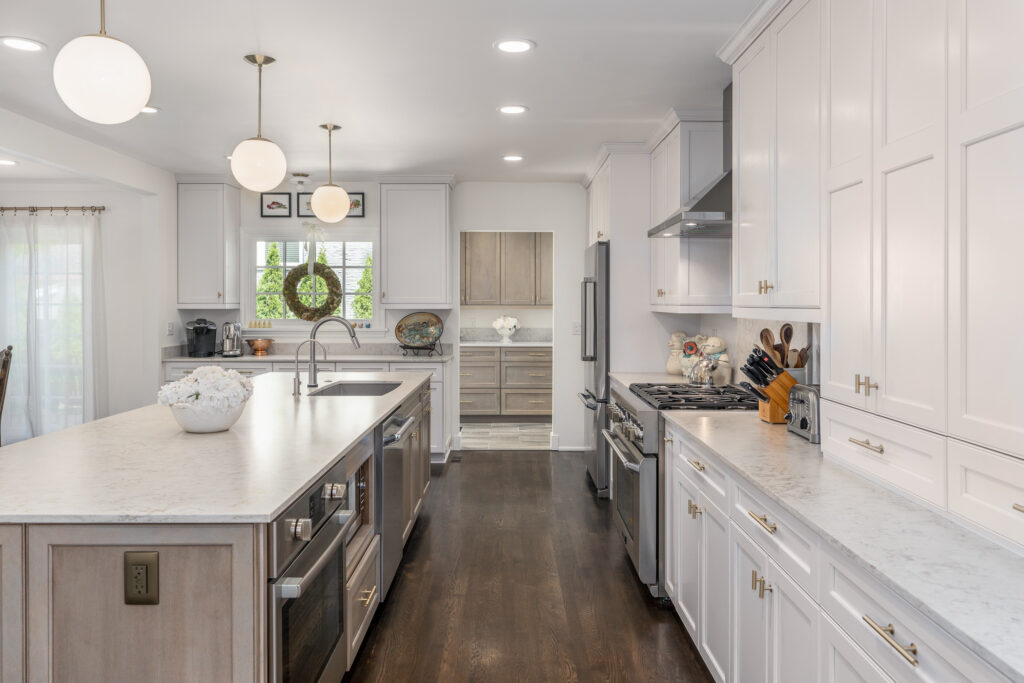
column 302, row 206
column 276, row 204
column 357, row 205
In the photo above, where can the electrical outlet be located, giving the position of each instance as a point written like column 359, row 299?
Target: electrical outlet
column 170, row 329
column 141, row 577
column 577, row 328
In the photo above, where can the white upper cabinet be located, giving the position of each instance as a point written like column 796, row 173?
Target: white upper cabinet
column 986, row 158
column 208, row 246
column 777, row 86
column 414, row 241
column 687, row 275
column 599, row 205
column 884, row 217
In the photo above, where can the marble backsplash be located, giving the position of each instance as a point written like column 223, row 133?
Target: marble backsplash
column 525, row 334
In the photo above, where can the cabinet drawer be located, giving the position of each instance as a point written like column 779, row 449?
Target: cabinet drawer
column 479, row 375
column 480, row 402
column 987, row 488
column 530, row 353
column 474, row 354
column 705, row 470
column 852, row 598
column 525, row 402
column 321, row 366
column 905, row 457
column 362, row 596
column 436, row 369
column 525, row 375
column 788, row 542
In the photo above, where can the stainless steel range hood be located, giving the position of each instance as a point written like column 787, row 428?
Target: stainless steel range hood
column 709, row 213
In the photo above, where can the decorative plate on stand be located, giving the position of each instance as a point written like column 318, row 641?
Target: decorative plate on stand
column 419, row 332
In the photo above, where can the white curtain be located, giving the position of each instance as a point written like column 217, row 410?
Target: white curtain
column 52, row 313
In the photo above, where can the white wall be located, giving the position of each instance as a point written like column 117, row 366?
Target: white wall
column 143, row 201
column 536, row 207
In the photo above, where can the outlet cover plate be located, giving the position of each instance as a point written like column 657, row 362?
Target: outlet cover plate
column 142, row 577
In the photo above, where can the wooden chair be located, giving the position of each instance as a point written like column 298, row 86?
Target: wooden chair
column 5, row 373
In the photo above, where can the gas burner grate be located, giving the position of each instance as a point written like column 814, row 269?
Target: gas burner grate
column 694, row 397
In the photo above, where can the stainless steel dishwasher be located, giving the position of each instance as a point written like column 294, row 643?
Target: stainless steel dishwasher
column 393, row 501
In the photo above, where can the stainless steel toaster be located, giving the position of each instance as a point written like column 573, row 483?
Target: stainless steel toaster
column 802, row 417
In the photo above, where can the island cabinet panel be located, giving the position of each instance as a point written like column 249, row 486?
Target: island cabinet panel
column 12, row 604
column 205, row 626
column 414, row 242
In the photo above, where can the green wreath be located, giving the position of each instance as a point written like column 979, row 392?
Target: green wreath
column 291, row 296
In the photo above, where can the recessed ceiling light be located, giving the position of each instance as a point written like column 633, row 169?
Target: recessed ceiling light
column 515, row 45
column 23, row 44
column 149, row 109
column 8, row 162
column 666, row 234
column 513, row 109
column 228, row 157
column 512, row 157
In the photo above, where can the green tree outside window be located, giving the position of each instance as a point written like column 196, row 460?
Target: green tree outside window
column 362, row 304
column 272, row 280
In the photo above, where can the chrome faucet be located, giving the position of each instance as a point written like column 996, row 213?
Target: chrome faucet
column 313, row 343
column 312, row 347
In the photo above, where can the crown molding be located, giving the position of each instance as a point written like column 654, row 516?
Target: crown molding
column 606, row 150
column 756, row 22
column 446, row 179
column 673, row 117
column 218, row 178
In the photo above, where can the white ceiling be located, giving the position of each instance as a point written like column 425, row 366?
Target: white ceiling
column 415, row 84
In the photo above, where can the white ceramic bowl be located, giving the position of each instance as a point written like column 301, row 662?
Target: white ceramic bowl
column 205, row 421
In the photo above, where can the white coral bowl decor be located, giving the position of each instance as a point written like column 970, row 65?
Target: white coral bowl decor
column 211, row 399
column 506, row 326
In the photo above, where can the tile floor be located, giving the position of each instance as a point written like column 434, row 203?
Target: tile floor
column 506, row 436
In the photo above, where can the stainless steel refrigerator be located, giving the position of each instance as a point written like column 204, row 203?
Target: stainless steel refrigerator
column 594, row 294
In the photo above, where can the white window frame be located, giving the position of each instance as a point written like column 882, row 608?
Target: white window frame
column 292, row 232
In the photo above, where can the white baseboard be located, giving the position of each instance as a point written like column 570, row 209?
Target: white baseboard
column 554, row 441
column 572, row 448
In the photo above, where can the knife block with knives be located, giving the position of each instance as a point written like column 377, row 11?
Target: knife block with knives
column 770, row 384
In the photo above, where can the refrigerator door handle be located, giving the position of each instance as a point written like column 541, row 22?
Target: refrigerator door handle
column 587, row 340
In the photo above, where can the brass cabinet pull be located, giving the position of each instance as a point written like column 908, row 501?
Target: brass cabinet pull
column 539, row 354
column 767, row 286
column 369, row 596
column 689, row 507
column 465, row 401
column 697, row 465
column 887, row 633
column 537, row 374
column 753, row 580
column 465, row 374
column 415, row 435
column 866, row 383
column 1018, row 507
column 668, row 439
column 866, row 443
column 763, row 521
column 764, row 587
column 695, row 510
column 760, row 286
column 536, row 401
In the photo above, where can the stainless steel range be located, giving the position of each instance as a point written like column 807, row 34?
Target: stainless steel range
column 636, row 439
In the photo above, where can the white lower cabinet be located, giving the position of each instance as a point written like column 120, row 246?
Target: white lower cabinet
column 685, row 558
column 842, row 661
column 792, row 629
column 749, row 643
column 713, row 631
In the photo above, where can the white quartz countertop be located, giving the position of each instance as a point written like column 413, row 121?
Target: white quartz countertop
column 140, row 467
column 511, row 344
column 970, row 586
column 304, row 358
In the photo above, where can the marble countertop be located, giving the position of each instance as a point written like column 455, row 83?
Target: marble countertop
column 511, row 344
column 968, row 585
column 304, row 358
column 140, row 467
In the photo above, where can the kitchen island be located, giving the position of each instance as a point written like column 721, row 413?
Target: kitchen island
column 73, row 502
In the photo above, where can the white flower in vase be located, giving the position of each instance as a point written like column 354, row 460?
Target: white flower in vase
column 506, row 326
column 210, row 399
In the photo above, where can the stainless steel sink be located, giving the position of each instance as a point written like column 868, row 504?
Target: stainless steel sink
column 355, row 389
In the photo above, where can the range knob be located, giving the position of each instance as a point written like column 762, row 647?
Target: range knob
column 301, row 529
column 334, row 491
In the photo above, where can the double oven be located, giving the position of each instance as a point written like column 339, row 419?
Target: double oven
column 311, row 549
column 633, row 438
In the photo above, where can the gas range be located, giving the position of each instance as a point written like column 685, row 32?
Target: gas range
column 694, row 397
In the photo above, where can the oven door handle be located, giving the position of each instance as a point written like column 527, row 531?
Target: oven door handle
column 610, row 438
column 293, row 587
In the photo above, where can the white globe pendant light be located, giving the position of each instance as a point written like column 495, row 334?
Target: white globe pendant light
column 330, row 203
column 100, row 78
column 257, row 163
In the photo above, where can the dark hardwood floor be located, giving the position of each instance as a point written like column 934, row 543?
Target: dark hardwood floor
column 515, row 572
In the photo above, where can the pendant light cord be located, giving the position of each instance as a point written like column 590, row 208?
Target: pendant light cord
column 259, row 100
column 103, row 17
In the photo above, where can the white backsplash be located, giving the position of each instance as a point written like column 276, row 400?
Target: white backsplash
column 483, row 316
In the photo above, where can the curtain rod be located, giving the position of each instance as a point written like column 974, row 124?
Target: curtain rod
column 51, row 209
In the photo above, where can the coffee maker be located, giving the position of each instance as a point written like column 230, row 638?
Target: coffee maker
column 201, row 335
column 232, row 340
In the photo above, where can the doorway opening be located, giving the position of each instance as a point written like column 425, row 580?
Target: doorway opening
column 505, row 340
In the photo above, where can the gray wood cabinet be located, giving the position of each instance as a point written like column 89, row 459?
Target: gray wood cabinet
column 12, row 591
column 518, row 269
column 481, row 268
column 505, row 381
column 507, row 269
column 545, row 269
